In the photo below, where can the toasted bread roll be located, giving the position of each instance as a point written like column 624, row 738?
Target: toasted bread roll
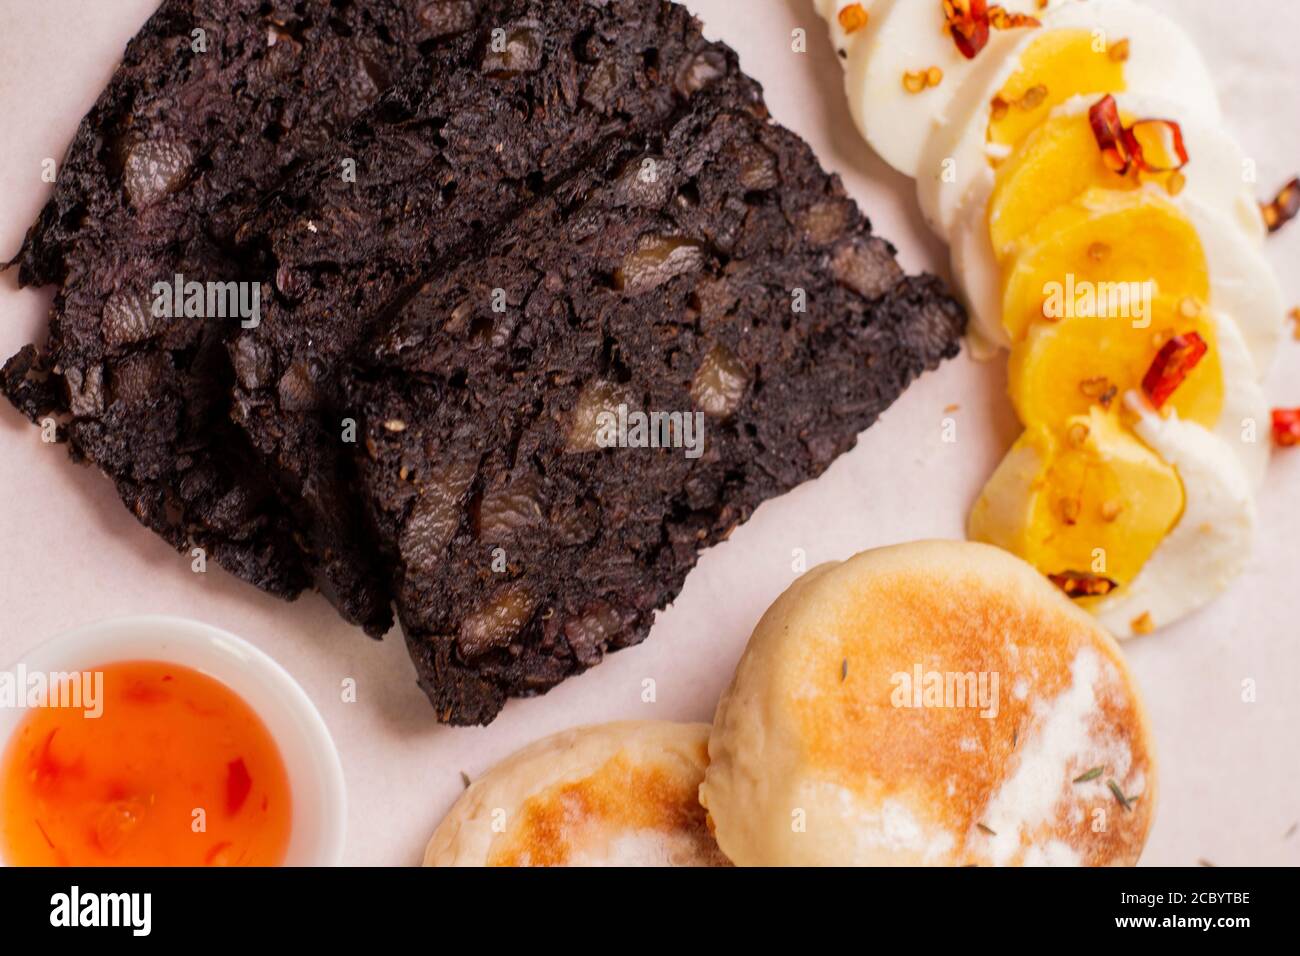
column 931, row 703
column 622, row 794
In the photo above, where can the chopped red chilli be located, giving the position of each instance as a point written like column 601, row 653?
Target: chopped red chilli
column 1173, row 363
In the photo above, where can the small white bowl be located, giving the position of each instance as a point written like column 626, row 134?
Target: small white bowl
column 310, row 759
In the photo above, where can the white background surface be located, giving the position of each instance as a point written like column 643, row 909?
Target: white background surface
column 70, row 553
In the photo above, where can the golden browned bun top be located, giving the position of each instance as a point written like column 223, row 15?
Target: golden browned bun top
column 938, row 703
column 622, row 794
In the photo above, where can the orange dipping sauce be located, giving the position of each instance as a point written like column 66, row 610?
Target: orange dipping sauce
column 177, row 771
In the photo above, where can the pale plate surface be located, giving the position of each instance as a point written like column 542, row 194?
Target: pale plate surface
column 70, row 553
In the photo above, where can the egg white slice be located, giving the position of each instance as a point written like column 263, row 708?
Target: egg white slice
column 842, row 40
column 1162, row 62
column 1244, row 422
column 1242, row 284
column 1212, row 542
column 977, row 273
column 906, row 36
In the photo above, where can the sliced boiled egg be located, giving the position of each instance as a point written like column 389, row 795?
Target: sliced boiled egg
column 1061, row 160
column 1087, row 48
column 1114, row 250
column 1088, row 500
column 1107, row 252
column 1060, row 370
column 902, row 39
column 1212, row 542
column 1103, row 227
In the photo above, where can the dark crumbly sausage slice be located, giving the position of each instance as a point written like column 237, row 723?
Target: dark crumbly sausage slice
column 440, row 167
column 192, row 128
column 182, row 139
column 714, row 269
column 180, row 149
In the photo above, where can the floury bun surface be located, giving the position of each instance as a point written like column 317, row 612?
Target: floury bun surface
column 931, row 703
column 621, row 794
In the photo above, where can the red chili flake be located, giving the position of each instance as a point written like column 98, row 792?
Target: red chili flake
column 45, row 766
column 1286, row 427
column 1284, row 207
column 1173, row 363
column 143, row 692
column 1144, row 137
column 1128, row 147
column 968, row 21
column 1108, row 130
column 238, row 784
column 1079, row 584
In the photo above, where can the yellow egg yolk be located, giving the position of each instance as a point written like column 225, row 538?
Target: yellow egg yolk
column 1057, row 163
column 1091, row 292
column 1055, row 66
column 1108, row 253
column 1091, row 501
column 1061, row 369
column 1099, row 269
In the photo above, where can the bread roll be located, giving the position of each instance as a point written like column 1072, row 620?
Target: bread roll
column 931, row 703
column 622, row 794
